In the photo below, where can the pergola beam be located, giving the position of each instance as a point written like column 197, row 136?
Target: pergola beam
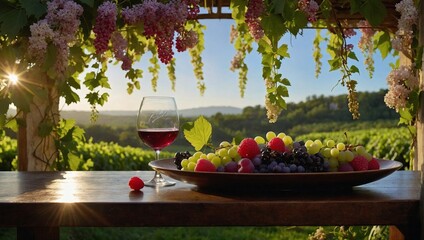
column 342, row 10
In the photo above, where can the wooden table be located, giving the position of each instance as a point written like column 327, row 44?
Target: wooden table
column 39, row 203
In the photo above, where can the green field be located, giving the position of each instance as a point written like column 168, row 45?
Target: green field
column 208, row 233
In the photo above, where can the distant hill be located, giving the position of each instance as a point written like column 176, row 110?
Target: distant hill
column 123, row 118
column 191, row 112
column 209, row 111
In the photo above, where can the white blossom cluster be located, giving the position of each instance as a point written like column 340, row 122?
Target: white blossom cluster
column 401, row 82
column 408, row 18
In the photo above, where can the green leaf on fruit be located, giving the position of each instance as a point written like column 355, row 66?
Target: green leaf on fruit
column 198, row 133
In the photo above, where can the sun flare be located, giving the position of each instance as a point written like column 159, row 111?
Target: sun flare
column 13, row 78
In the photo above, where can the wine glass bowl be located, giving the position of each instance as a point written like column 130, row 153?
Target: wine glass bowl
column 158, row 127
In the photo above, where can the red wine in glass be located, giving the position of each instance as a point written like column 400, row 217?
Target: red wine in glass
column 158, row 138
column 158, row 127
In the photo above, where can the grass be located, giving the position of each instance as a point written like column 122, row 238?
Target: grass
column 174, row 233
column 211, row 233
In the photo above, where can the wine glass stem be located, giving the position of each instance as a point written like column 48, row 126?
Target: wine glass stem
column 158, row 176
column 157, row 152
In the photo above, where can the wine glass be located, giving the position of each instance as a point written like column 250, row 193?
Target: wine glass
column 158, row 126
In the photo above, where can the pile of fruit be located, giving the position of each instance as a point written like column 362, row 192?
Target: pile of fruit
column 278, row 154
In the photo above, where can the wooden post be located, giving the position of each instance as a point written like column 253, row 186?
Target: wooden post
column 419, row 161
column 36, row 153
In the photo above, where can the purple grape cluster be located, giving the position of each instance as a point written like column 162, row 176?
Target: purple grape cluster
column 298, row 160
column 179, row 156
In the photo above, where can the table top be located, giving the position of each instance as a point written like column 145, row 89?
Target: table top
column 103, row 198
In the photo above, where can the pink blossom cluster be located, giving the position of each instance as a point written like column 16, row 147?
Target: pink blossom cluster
column 59, row 28
column 408, row 18
column 401, row 82
column 409, row 14
column 237, row 61
column 105, row 25
column 161, row 21
column 41, row 35
column 119, row 50
column 310, row 8
column 349, row 47
column 233, row 34
column 348, row 32
column 186, row 39
column 367, row 34
column 254, row 11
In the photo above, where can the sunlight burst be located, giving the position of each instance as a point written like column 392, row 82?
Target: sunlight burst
column 13, row 78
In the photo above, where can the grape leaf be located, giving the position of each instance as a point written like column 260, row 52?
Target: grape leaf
column 383, row 43
column 12, row 124
column 282, row 51
column 34, row 8
column 4, row 105
column 198, row 133
column 69, row 95
column 354, row 69
column 274, row 28
column 74, row 161
column 355, row 6
column 89, row 3
column 12, row 22
column 368, row 10
column 2, row 120
column 45, row 128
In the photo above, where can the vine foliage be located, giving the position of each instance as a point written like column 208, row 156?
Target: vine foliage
column 57, row 46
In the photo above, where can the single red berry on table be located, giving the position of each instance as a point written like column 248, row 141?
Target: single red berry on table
column 248, row 148
column 136, row 183
column 277, row 144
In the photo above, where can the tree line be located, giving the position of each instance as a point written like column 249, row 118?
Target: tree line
column 315, row 114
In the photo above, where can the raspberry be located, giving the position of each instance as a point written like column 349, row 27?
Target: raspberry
column 359, row 163
column 373, row 164
column 204, row 165
column 248, row 148
column 277, row 144
column 136, row 183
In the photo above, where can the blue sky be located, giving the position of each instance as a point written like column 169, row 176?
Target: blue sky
column 222, row 84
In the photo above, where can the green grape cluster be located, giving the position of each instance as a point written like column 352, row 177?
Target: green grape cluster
column 339, row 153
column 225, row 153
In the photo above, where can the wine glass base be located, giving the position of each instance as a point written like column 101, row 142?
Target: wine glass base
column 159, row 182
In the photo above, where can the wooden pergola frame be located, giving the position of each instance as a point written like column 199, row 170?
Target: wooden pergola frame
column 214, row 10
